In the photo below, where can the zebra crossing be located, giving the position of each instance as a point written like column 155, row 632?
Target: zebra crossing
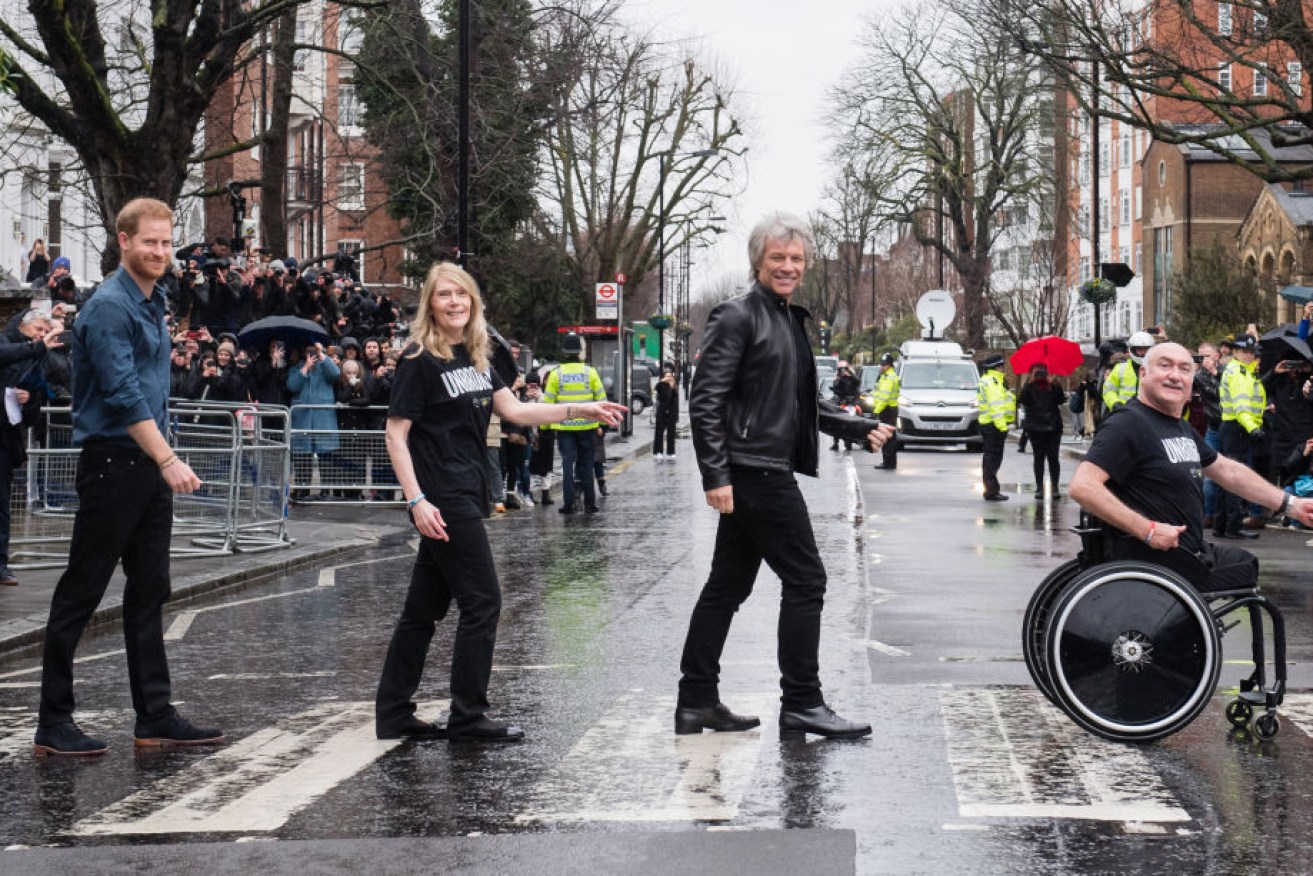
column 1012, row 758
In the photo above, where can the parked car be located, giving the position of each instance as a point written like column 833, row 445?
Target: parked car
column 640, row 382
column 869, row 376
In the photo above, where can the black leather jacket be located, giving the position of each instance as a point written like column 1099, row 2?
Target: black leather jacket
column 745, row 407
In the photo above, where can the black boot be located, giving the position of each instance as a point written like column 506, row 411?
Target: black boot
column 547, row 498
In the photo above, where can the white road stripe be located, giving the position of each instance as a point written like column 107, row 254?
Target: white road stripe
column 631, row 767
column 256, row 784
column 891, row 650
column 87, row 659
column 1014, row 755
column 1298, row 708
column 327, row 578
column 264, row 676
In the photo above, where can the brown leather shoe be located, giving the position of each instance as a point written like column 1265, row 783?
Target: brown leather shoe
column 7, row 578
column 1255, row 523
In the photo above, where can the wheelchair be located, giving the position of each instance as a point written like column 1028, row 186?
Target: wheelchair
column 1130, row 649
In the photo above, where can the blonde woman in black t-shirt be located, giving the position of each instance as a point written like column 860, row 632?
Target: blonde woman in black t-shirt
column 443, row 395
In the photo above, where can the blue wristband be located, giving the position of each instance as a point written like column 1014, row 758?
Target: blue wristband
column 415, row 501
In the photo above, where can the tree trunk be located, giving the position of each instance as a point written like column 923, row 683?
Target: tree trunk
column 273, row 155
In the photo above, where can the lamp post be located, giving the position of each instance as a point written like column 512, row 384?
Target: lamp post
column 661, row 237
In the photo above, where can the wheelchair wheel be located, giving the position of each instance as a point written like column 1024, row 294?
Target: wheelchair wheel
column 1132, row 651
column 1035, row 623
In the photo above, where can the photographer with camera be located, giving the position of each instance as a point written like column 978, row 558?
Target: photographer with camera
column 314, row 429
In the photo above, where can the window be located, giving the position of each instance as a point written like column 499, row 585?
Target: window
column 1139, row 202
column 1260, row 83
column 1124, row 207
column 1224, row 77
column 1260, row 24
column 1124, row 149
column 1139, row 254
column 1083, row 220
column 1004, row 261
column 1124, row 255
column 355, row 248
column 1295, row 77
column 1084, row 170
column 304, row 35
column 351, row 187
column 1104, row 219
column 1104, row 157
column 350, row 31
column 1224, row 19
column 348, row 107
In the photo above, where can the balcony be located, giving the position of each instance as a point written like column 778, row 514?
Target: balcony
column 305, row 189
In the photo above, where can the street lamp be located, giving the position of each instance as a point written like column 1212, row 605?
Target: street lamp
column 661, row 237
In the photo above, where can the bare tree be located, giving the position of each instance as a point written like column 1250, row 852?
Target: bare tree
column 1228, row 76
column 944, row 112
column 639, row 123
column 128, row 103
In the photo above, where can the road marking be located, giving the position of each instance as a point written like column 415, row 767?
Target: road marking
column 87, row 659
column 890, row 650
column 1298, row 708
column 262, row 676
column 1014, row 755
column 183, row 620
column 631, row 767
column 255, row 785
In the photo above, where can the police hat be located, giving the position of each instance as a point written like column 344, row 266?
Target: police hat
column 887, row 359
column 1244, row 342
column 992, row 361
column 572, row 345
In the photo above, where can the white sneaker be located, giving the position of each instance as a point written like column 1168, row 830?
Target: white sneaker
column 672, row 456
column 658, row 456
column 526, row 500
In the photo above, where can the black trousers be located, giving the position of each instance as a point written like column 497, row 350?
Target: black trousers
column 576, row 446
column 125, row 511
column 7, row 467
column 770, row 522
column 459, row 569
column 1230, row 516
column 889, row 452
column 992, row 457
column 664, row 439
column 1046, row 446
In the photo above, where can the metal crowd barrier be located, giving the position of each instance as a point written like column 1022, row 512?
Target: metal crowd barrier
column 240, row 452
column 338, row 465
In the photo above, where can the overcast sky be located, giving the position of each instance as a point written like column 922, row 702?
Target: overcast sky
column 784, row 55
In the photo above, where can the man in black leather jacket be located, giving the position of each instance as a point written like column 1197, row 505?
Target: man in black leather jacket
column 754, row 416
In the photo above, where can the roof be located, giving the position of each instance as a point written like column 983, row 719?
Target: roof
column 1297, row 205
column 1234, row 144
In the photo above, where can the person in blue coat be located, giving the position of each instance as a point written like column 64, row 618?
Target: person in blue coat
column 314, row 429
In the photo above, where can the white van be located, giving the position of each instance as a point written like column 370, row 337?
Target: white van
column 938, row 400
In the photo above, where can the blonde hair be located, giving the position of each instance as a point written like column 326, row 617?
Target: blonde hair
column 425, row 331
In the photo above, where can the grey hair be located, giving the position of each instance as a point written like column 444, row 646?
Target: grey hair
column 33, row 315
column 779, row 226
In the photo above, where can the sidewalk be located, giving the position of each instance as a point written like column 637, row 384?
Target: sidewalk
column 319, row 532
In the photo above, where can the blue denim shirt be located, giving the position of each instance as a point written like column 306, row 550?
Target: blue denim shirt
column 120, row 362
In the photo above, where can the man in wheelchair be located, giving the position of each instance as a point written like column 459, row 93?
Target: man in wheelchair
column 1143, row 476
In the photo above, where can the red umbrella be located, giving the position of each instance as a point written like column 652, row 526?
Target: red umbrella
column 1060, row 355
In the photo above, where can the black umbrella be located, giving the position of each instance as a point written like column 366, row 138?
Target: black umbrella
column 503, row 361
column 1282, row 343
column 291, row 330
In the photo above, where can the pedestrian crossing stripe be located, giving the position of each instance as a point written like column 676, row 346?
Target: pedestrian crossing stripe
column 258, row 783
column 1014, row 755
column 666, row 778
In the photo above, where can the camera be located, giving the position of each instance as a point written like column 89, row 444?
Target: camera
column 1198, row 360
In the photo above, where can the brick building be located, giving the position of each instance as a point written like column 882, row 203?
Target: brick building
column 1276, row 243
column 335, row 199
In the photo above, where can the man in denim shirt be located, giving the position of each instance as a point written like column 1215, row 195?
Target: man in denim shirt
column 126, row 477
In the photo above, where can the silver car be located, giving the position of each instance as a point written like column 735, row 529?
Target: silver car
column 938, row 402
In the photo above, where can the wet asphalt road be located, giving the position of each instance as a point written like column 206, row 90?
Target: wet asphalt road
column 969, row 769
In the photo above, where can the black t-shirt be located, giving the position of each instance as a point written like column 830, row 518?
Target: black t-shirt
column 448, row 404
column 1155, row 465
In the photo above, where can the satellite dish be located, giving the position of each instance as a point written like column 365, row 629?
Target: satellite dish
column 935, row 311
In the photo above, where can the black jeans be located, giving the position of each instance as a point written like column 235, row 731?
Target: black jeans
column 460, row 569
column 1046, row 446
column 663, row 441
column 576, row 446
column 992, row 457
column 7, row 466
column 770, row 522
column 889, row 452
column 1230, row 516
column 125, row 511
